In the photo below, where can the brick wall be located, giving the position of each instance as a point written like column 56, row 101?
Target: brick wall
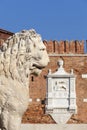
column 36, row 110
column 4, row 35
column 68, row 47
column 72, row 52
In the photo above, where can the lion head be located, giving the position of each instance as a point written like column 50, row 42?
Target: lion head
column 22, row 54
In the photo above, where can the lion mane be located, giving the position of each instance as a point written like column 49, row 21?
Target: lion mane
column 16, row 55
column 20, row 55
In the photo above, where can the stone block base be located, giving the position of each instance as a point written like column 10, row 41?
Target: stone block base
column 53, row 127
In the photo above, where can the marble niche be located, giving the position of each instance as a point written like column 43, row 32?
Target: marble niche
column 61, row 94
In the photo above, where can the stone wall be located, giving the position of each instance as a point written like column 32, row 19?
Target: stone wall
column 53, row 127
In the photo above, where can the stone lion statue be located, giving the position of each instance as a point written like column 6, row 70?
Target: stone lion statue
column 22, row 54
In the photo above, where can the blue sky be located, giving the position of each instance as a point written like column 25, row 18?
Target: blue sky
column 53, row 19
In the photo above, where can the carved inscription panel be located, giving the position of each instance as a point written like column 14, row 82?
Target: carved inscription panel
column 61, row 94
column 60, row 90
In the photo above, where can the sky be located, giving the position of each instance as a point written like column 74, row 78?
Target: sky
column 53, row 19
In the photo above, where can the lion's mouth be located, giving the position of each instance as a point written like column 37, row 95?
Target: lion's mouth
column 38, row 66
column 36, row 69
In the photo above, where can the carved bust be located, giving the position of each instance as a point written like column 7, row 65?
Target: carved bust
column 22, row 54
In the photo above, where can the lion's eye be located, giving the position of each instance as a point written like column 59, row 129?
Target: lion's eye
column 43, row 49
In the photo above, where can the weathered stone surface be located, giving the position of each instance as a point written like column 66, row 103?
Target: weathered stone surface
column 53, row 127
column 20, row 55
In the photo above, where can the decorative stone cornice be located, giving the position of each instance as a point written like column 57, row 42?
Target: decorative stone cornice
column 70, row 55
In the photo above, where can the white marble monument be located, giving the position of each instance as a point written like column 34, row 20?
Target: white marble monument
column 61, row 94
column 22, row 54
